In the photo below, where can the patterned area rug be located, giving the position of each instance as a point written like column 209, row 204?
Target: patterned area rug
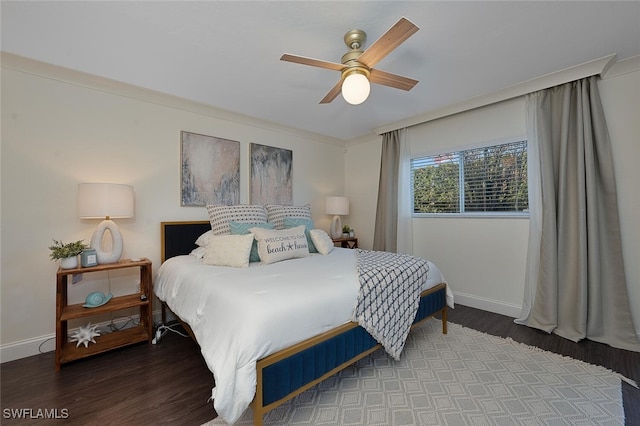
column 462, row 378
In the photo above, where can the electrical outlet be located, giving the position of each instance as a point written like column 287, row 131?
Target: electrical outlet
column 138, row 287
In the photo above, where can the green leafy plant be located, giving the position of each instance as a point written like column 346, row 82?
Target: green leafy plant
column 346, row 229
column 60, row 250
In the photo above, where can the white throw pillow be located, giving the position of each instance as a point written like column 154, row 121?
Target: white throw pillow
column 203, row 240
column 276, row 245
column 198, row 252
column 322, row 241
column 229, row 250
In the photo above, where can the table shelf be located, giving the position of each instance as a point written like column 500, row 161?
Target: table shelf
column 69, row 351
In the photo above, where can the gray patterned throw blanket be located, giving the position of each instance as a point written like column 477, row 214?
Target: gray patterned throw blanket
column 390, row 286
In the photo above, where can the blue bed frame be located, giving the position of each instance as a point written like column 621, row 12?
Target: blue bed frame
column 289, row 372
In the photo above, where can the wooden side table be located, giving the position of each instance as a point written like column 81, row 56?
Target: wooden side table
column 349, row 242
column 67, row 351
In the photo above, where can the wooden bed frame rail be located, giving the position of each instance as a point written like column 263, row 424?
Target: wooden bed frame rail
column 259, row 409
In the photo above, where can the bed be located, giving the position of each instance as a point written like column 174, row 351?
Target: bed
column 286, row 362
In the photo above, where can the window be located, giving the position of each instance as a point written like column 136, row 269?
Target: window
column 491, row 179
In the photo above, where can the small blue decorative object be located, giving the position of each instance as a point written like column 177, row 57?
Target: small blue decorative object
column 88, row 257
column 96, row 299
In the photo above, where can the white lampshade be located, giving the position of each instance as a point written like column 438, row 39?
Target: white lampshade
column 356, row 88
column 336, row 206
column 105, row 201
column 102, row 200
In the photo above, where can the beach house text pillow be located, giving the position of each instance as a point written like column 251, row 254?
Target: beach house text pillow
column 275, row 245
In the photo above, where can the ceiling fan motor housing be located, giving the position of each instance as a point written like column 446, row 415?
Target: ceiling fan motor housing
column 356, row 69
column 355, row 39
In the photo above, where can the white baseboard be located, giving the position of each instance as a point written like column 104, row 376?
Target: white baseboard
column 47, row 343
column 489, row 305
column 28, row 347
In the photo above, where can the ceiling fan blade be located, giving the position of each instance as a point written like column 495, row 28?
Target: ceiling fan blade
column 392, row 80
column 333, row 93
column 313, row 62
column 394, row 37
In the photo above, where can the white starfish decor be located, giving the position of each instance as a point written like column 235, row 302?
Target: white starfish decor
column 85, row 334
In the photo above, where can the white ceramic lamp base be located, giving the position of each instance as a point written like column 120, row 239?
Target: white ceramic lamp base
column 336, row 227
column 116, row 242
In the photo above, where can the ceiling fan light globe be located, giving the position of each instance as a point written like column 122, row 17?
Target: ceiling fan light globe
column 356, row 88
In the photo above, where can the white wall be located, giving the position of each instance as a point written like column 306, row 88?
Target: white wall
column 362, row 167
column 61, row 128
column 484, row 259
column 481, row 256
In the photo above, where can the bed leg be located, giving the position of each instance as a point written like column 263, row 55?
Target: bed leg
column 257, row 415
column 444, row 320
column 257, row 403
column 257, row 421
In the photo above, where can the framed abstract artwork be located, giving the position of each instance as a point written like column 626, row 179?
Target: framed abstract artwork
column 271, row 175
column 210, row 170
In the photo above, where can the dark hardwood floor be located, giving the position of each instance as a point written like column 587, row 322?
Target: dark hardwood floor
column 169, row 383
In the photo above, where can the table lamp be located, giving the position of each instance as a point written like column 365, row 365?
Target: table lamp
column 105, row 201
column 336, row 206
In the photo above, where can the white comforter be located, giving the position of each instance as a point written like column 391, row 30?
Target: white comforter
column 240, row 315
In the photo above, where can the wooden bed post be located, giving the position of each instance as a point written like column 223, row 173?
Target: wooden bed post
column 444, row 319
column 257, row 405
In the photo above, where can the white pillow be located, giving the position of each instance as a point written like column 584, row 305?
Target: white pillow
column 275, row 245
column 198, row 252
column 322, row 241
column 229, row 250
column 203, row 240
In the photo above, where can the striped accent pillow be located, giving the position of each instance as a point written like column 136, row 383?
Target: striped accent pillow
column 221, row 215
column 277, row 212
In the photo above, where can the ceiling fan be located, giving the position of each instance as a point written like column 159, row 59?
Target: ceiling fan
column 357, row 65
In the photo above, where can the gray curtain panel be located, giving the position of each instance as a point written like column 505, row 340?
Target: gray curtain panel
column 385, row 235
column 580, row 290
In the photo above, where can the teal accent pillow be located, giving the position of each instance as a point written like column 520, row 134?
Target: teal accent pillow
column 241, row 228
column 292, row 222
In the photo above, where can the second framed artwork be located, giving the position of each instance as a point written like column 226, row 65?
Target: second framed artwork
column 271, row 175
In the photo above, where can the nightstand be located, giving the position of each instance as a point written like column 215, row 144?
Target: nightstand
column 348, row 242
column 67, row 351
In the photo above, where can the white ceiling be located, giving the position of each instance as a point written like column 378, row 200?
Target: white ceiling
column 226, row 53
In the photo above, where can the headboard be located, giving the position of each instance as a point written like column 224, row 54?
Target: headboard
column 180, row 237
